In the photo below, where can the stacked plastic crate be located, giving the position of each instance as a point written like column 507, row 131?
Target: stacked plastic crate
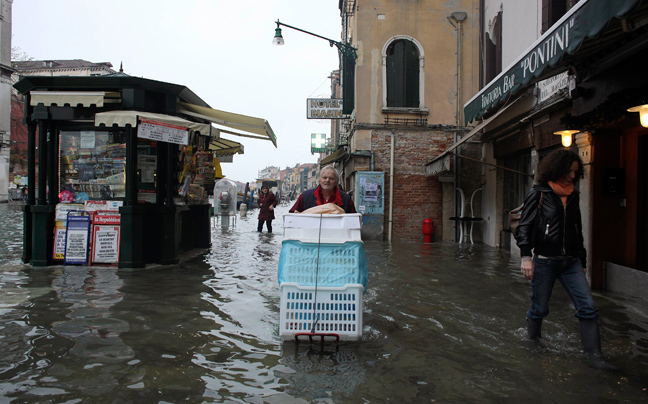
column 322, row 276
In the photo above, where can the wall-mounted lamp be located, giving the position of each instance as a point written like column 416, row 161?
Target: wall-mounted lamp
column 278, row 39
column 643, row 114
column 346, row 49
column 566, row 136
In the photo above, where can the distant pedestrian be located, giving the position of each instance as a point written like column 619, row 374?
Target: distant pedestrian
column 551, row 227
column 24, row 191
column 267, row 203
column 326, row 192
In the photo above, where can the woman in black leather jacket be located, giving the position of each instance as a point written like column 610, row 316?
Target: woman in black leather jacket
column 551, row 228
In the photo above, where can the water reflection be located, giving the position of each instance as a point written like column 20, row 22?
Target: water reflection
column 442, row 323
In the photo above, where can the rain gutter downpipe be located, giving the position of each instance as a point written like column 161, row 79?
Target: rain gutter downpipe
column 459, row 17
column 391, row 188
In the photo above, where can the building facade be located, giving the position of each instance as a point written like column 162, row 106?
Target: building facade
column 565, row 65
column 414, row 67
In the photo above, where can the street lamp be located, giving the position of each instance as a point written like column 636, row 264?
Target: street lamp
column 345, row 49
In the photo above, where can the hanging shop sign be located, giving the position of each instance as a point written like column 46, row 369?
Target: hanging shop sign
column 319, row 144
column 162, row 132
column 77, row 236
column 324, row 108
column 105, row 238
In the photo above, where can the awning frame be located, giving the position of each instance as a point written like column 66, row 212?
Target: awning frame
column 442, row 162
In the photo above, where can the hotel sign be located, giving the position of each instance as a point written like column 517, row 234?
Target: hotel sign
column 586, row 19
column 324, row 108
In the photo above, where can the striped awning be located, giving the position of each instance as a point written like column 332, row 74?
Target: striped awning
column 123, row 118
column 72, row 98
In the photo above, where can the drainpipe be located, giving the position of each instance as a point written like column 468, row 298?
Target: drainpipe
column 391, row 188
column 459, row 17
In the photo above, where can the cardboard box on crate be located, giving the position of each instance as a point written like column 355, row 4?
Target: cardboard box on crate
column 322, row 228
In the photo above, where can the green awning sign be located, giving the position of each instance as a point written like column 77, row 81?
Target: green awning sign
column 587, row 19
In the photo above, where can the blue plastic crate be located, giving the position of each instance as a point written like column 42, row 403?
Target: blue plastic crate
column 327, row 265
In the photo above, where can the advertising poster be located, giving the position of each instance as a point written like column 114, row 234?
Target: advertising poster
column 76, row 239
column 105, row 239
column 163, row 132
column 59, row 241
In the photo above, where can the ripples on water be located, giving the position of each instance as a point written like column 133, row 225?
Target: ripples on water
column 441, row 324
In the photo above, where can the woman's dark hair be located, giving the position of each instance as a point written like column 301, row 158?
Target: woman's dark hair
column 556, row 164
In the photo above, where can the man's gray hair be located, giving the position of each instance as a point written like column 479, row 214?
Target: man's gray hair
column 330, row 167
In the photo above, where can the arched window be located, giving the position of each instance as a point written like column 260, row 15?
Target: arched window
column 403, row 74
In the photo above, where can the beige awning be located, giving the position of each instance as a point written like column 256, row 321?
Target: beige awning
column 71, row 98
column 225, row 147
column 333, row 157
column 123, row 118
column 241, row 122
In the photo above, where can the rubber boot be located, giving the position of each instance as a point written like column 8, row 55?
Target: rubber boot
column 591, row 338
column 534, row 327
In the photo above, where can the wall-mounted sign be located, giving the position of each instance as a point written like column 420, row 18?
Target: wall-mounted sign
column 552, row 85
column 324, row 108
column 162, row 132
column 318, row 142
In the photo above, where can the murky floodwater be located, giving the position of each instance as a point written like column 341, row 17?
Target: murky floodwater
column 441, row 324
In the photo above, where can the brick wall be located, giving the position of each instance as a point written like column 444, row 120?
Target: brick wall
column 416, row 197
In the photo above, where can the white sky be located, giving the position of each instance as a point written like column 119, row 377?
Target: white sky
column 220, row 49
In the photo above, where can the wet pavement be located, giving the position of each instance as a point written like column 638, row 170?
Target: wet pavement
column 442, row 323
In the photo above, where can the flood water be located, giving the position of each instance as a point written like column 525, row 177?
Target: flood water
column 442, row 324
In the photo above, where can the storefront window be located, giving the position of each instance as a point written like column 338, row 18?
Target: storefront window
column 516, row 184
column 92, row 164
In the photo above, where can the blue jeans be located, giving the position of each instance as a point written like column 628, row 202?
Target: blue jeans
column 570, row 274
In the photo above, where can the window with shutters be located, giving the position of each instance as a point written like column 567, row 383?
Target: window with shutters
column 552, row 10
column 403, row 73
column 493, row 50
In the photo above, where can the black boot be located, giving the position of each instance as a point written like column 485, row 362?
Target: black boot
column 269, row 227
column 260, row 226
column 533, row 327
column 591, row 338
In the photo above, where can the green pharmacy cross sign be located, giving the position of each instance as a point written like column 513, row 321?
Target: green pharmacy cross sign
column 318, row 143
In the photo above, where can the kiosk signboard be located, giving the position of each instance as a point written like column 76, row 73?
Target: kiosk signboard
column 77, row 237
column 105, row 238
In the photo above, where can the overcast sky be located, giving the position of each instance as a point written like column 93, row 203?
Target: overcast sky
column 220, row 49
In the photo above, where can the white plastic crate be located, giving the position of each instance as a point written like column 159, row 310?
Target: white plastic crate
column 339, row 310
column 324, row 228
